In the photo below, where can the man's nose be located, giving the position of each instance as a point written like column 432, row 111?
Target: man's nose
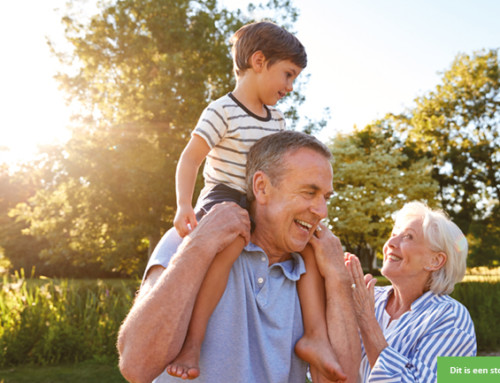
column 320, row 208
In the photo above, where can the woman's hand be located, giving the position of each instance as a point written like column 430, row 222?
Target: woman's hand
column 363, row 294
column 363, row 288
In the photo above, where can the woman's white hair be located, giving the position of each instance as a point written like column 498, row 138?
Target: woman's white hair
column 442, row 235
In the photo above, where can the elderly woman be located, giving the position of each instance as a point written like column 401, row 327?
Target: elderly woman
column 406, row 326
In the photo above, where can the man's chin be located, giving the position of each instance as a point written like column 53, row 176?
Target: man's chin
column 299, row 248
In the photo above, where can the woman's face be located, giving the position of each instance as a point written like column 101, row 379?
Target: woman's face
column 407, row 256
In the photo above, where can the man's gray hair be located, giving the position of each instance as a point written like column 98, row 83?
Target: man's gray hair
column 267, row 155
column 442, row 235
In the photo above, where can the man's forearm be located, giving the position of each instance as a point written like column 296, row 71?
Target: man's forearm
column 341, row 321
column 154, row 331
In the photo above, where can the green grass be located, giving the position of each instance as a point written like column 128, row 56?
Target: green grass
column 85, row 372
column 53, row 322
column 65, row 330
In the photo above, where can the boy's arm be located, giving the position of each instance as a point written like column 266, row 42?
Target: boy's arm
column 153, row 332
column 185, row 178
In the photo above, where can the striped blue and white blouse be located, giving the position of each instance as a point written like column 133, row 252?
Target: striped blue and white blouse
column 436, row 325
column 230, row 129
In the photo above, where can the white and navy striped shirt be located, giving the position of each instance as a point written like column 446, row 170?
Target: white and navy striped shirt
column 436, row 325
column 230, row 129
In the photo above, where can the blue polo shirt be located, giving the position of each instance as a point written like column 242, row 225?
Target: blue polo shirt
column 252, row 333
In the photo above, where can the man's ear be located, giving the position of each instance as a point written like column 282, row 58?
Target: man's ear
column 437, row 261
column 257, row 61
column 261, row 186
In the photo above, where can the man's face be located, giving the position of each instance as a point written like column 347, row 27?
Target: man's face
column 295, row 206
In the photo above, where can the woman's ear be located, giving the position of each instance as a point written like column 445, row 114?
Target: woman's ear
column 260, row 186
column 437, row 261
column 257, row 61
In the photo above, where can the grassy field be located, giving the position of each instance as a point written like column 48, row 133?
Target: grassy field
column 85, row 372
column 482, row 274
column 65, row 330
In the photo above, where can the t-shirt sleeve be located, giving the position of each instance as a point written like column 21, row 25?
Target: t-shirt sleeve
column 212, row 125
column 164, row 250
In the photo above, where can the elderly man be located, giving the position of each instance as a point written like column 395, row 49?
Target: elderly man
column 253, row 330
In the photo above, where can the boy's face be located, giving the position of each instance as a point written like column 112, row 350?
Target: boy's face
column 276, row 81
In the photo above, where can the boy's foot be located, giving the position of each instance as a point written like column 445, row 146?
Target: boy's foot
column 185, row 365
column 320, row 355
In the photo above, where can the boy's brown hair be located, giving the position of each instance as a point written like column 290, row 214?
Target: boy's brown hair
column 275, row 43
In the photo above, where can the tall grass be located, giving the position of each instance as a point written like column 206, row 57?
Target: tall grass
column 51, row 321
column 482, row 299
column 48, row 321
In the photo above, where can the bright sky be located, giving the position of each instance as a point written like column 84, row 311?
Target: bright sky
column 366, row 58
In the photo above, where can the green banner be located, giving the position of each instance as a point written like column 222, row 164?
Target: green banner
column 479, row 369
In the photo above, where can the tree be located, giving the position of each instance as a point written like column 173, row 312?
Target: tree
column 20, row 250
column 457, row 127
column 374, row 176
column 142, row 72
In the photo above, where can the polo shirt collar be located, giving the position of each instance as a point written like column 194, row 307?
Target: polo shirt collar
column 292, row 268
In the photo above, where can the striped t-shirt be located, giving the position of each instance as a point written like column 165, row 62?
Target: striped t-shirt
column 230, row 129
column 436, row 325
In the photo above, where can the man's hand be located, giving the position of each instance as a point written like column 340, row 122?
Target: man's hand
column 222, row 225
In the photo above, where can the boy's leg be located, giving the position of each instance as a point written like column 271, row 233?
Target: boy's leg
column 186, row 364
column 315, row 347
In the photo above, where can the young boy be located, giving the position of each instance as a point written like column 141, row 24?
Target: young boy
column 267, row 59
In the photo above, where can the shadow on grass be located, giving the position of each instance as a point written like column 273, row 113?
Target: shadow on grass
column 85, row 372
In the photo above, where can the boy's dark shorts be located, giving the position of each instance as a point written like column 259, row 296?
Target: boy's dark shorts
column 218, row 194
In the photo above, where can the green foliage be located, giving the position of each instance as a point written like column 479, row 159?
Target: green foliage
column 46, row 321
column 17, row 188
column 141, row 73
column 456, row 127
column 484, row 240
column 373, row 177
column 481, row 299
column 83, row 372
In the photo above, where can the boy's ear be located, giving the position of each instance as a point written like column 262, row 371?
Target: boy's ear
column 257, row 61
column 260, row 186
